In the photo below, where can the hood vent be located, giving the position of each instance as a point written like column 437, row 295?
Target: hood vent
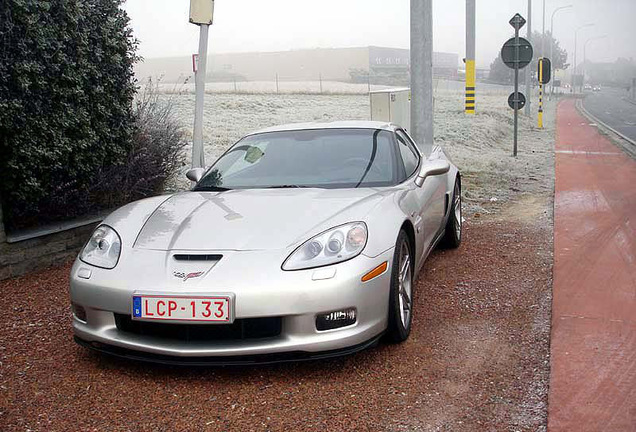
column 197, row 257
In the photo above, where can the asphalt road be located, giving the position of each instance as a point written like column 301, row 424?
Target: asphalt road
column 610, row 106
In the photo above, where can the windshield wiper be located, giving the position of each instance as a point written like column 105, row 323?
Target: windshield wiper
column 210, row 189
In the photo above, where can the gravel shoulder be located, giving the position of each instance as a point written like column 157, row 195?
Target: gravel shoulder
column 478, row 357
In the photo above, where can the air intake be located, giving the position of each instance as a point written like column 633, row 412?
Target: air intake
column 192, row 257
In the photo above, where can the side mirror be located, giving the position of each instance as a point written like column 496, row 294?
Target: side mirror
column 195, row 174
column 432, row 168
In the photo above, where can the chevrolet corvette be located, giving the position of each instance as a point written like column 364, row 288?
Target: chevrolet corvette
column 301, row 241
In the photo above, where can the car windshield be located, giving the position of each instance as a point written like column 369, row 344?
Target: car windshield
column 323, row 158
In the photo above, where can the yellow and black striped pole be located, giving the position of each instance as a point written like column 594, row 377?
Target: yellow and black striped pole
column 470, row 86
column 540, row 121
column 470, row 57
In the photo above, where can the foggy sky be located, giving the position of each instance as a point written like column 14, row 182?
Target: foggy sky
column 260, row 25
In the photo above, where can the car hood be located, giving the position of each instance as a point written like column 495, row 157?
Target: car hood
column 254, row 219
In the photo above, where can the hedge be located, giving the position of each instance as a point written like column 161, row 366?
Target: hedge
column 66, row 94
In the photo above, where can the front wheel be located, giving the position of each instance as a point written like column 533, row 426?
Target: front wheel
column 453, row 230
column 401, row 296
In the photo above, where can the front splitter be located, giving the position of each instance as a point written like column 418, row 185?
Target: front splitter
column 247, row 360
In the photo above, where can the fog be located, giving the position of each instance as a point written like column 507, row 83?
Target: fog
column 255, row 25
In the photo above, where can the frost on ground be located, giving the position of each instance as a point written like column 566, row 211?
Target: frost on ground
column 481, row 145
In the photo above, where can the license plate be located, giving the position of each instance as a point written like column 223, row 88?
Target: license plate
column 217, row 308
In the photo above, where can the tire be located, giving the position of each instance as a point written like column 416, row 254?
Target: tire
column 453, row 229
column 401, row 295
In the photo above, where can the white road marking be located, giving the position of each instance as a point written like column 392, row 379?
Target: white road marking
column 575, row 152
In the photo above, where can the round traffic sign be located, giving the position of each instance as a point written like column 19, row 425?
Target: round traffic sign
column 519, row 101
column 525, row 53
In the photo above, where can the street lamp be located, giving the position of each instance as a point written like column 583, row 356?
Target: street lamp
column 585, row 52
column 552, row 37
column 576, row 33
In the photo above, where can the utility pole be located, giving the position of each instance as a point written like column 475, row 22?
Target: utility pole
column 540, row 116
column 470, row 58
column 529, row 70
column 201, row 13
column 543, row 33
column 422, row 74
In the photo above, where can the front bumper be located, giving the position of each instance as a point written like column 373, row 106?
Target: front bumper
column 295, row 297
column 244, row 360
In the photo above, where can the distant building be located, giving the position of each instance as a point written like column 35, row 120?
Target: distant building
column 383, row 59
column 334, row 64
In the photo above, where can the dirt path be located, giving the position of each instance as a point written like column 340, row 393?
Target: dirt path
column 593, row 382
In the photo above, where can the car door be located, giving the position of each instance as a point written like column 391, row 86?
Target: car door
column 424, row 205
column 440, row 198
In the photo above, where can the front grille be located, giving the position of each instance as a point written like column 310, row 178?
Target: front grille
column 248, row 328
column 195, row 257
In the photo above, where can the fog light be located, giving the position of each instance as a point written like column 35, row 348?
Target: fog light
column 336, row 319
column 79, row 312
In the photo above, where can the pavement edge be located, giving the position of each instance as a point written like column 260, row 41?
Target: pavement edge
column 630, row 150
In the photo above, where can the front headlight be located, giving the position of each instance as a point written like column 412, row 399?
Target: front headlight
column 103, row 249
column 331, row 247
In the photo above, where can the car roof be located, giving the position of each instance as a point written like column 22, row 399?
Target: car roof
column 351, row 124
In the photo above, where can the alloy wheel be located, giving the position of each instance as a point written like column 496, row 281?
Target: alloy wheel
column 457, row 208
column 404, row 285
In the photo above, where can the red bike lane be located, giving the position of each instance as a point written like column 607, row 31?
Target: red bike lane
column 593, row 340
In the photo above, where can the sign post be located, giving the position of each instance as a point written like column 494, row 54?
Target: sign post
column 201, row 13
column 516, row 54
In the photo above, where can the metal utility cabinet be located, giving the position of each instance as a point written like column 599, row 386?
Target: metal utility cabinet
column 393, row 105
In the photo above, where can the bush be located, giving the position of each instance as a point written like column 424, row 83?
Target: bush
column 66, row 118
column 154, row 158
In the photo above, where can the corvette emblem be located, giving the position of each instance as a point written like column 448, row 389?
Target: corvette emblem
column 186, row 276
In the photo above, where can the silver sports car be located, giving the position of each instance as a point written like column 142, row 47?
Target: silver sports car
column 301, row 241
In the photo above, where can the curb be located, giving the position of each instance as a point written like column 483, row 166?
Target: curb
column 582, row 110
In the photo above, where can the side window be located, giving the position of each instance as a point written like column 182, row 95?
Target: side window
column 410, row 158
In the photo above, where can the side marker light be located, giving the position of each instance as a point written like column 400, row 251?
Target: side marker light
column 375, row 272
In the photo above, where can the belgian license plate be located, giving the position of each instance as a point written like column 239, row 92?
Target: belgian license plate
column 216, row 308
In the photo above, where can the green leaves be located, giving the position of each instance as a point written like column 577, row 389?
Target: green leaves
column 66, row 93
